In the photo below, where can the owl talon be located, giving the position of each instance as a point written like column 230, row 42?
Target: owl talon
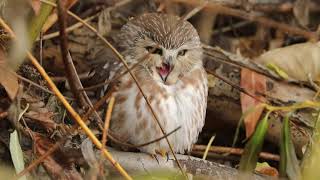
column 154, row 156
column 162, row 152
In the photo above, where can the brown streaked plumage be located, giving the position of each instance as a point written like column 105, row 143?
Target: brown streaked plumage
column 172, row 77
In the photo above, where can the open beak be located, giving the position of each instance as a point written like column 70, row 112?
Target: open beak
column 164, row 71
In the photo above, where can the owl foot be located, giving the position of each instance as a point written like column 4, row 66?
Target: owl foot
column 154, row 156
column 162, row 152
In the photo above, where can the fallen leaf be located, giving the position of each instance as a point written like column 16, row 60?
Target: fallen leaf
column 16, row 153
column 301, row 11
column 104, row 22
column 35, row 4
column 299, row 61
column 253, row 83
column 7, row 77
column 266, row 169
column 45, row 119
column 54, row 17
column 56, row 164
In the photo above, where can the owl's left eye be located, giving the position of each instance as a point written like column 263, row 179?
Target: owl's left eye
column 182, row 52
column 154, row 50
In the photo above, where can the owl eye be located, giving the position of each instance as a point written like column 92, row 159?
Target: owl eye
column 154, row 50
column 182, row 52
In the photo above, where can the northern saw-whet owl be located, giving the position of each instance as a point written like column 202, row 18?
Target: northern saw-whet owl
column 172, row 77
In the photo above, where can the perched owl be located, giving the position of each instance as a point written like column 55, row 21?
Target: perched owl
column 172, row 77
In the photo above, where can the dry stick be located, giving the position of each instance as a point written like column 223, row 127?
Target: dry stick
column 71, row 74
column 241, row 65
column 72, row 112
column 195, row 10
column 63, row 78
column 68, row 29
column 234, row 86
column 41, row 158
column 33, row 83
column 131, row 74
column 249, row 16
column 107, row 121
column 79, row 24
column 236, row 151
column 106, row 127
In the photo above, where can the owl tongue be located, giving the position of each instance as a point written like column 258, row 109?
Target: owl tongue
column 164, row 71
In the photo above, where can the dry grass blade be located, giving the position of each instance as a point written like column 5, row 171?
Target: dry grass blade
column 131, row 74
column 72, row 112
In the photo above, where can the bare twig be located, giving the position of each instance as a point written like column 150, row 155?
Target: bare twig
column 234, row 86
column 72, row 112
column 195, row 10
column 68, row 29
column 235, row 151
column 107, row 121
column 251, row 17
column 41, row 158
column 71, row 73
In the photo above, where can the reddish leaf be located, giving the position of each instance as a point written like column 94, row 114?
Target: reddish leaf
column 44, row 118
column 56, row 167
column 254, row 84
column 266, row 169
column 7, row 77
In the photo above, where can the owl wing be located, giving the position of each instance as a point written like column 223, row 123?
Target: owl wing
column 104, row 68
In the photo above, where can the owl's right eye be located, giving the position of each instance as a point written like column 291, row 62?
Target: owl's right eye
column 154, row 50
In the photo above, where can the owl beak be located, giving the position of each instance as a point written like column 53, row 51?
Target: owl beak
column 164, row 70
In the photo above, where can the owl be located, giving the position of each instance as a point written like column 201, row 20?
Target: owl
column 171, row 76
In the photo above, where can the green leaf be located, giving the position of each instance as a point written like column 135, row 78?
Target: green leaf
column 277, row 70
column 311, row 161
column 289, row 164
column 253, row 147
column 16, row 153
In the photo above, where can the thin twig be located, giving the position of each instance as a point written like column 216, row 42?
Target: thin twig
column 235, row 151
column 71, row 73
column 131, row 74
column 195, row 10
column 82, row 76
column 107, row 121
column 72, row 112
column 79, row 24
column 116, row 140
column 68, row 29
column 234, row 86
column 41, row 158
column 219, row 9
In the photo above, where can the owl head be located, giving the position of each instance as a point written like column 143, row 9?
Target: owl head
column 170, row 45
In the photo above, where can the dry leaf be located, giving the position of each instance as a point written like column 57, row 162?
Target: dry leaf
column 298, row 60
column 45, row 119
column 252, row 82
column 301, row 11
column 7, row 77
column 54, row 17
column 104, row 22
column 35, row 4
column 266, row 169
column 56, row 164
